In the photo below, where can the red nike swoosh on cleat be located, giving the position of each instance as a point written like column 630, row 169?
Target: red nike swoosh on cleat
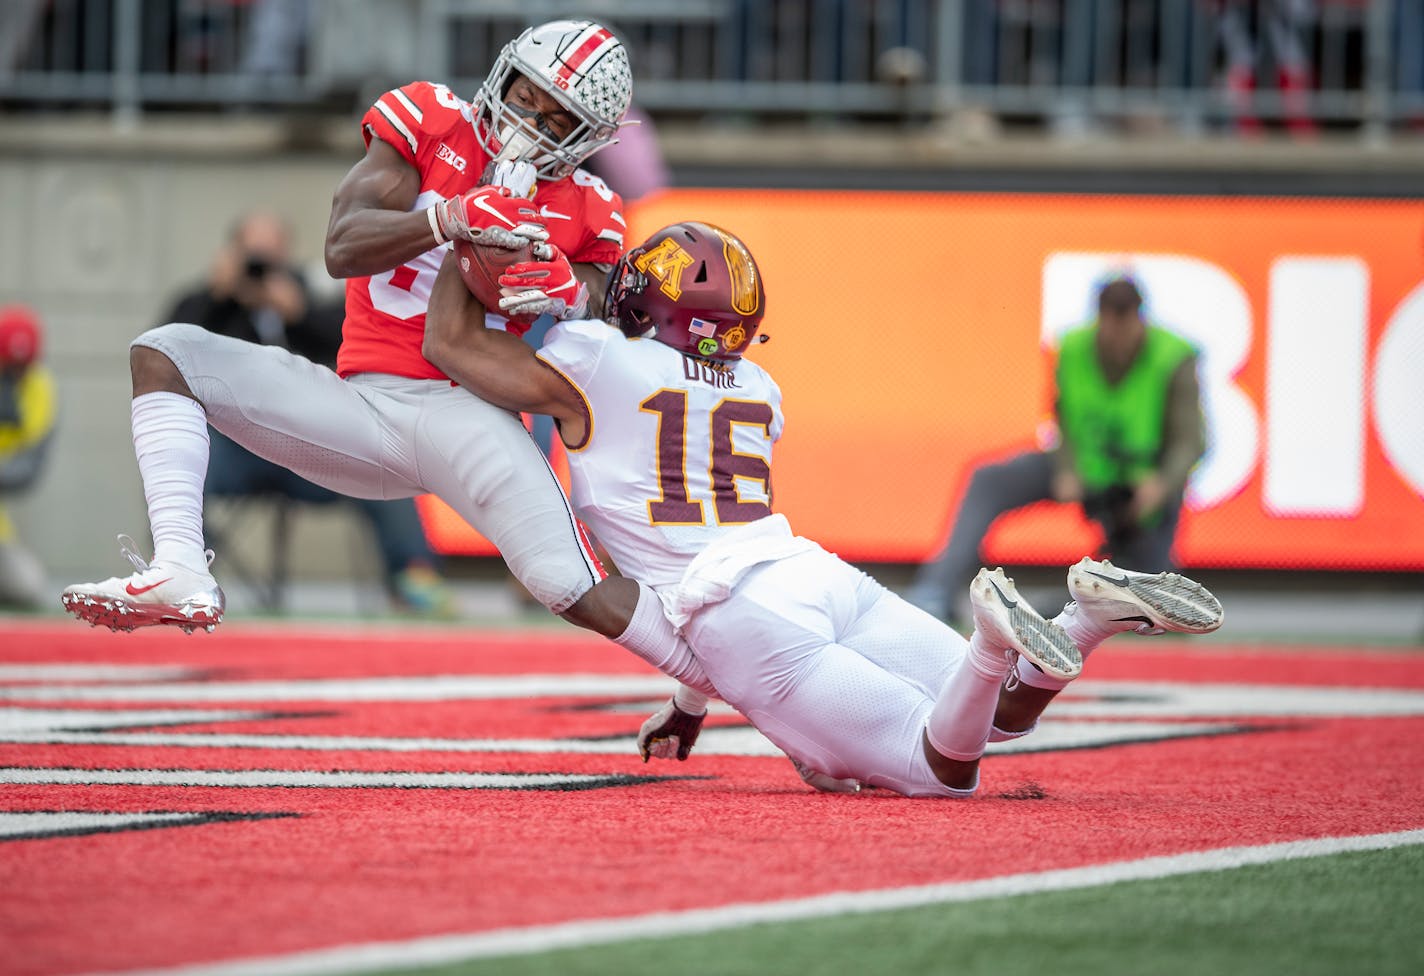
column 129, row 587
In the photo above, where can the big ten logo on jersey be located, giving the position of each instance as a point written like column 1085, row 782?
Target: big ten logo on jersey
column 665, row 264
column 447, row 155
column 1316, row 395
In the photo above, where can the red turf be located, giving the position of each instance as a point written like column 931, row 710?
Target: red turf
column 359, row 865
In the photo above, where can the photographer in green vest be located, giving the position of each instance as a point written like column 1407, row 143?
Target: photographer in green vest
column 1130, row 423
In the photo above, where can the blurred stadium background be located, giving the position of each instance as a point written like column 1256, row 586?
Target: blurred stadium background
column 932, row 186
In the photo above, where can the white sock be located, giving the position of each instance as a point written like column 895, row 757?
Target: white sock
column 651, row 636
column 1081, row 629
column 170, row 435
column 959, row 723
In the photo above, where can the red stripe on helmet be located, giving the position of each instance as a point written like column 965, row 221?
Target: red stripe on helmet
column 581, row 53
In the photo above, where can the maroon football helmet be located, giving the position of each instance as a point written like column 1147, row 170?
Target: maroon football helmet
column 696, row 286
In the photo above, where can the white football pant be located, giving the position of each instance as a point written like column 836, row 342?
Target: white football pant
column 831, row 666
column 381, row 436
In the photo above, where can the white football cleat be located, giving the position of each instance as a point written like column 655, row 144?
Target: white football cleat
column 1147, row 603
column 1005, row 619
column 158, row 594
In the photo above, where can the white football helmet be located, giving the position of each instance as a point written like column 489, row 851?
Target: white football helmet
column 580, row 64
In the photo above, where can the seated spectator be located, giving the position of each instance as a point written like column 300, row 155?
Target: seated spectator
column 1131, row 428
column 253, row 293
column 27, row 420
column 1282, row 25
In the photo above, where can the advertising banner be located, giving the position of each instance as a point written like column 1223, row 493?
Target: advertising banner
column 912, row 335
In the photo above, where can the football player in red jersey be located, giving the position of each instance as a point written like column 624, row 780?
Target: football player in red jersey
column 554, row 97
column 390, row 424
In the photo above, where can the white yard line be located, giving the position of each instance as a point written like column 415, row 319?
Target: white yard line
column 447, row 949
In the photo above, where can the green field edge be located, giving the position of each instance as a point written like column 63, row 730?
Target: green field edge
column 1320, row 916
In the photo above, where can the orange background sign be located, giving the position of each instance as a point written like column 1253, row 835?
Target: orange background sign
column 908, row 335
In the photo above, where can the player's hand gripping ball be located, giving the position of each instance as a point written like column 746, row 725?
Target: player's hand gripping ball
column 481, row 268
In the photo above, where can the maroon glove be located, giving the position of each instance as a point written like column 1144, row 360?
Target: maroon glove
column 669, row 731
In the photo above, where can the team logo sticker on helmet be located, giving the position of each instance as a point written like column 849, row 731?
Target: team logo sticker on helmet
column 666, row 262
column 746, row 290
column 707, row 346
column 734, row 337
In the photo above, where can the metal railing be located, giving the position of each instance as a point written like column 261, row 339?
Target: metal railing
column 1350, row 65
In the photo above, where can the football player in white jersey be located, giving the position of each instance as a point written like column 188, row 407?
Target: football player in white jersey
column 670, row 435
column 386, row 423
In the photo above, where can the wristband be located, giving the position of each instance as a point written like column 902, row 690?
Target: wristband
column 690, row 701
column 440, row 239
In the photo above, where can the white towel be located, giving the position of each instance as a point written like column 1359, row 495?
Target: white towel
column 710, row 577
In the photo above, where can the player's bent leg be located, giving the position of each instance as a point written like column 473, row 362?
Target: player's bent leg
column 1007, row 632
column 280, row 406
column 353, row 437
column 903, row 639
column 830, row 709
column 170, row 437
column 481, row 461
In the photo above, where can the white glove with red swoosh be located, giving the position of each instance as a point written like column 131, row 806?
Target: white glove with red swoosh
column 490, row 216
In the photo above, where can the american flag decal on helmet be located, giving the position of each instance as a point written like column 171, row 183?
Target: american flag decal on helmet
column 702, row 327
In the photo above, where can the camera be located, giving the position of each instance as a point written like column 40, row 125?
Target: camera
column 258, row 268
column 1111, row 508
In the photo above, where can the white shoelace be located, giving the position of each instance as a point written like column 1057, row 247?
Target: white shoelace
column 129, row 550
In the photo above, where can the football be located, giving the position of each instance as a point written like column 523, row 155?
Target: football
column 482, row 266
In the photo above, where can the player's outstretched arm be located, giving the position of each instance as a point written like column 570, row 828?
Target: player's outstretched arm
column 372, row 228
column 496, row 366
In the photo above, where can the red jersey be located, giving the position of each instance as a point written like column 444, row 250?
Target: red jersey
column 433, row 130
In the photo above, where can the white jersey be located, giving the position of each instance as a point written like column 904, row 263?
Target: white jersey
column 677, row 453
column 674, row 478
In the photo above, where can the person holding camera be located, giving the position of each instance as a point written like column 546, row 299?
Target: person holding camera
column 1130, row 428
column 254, row 293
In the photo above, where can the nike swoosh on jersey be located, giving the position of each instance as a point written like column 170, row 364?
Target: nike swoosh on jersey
column 484, row 205
column 131, row 590
column 544, row 211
